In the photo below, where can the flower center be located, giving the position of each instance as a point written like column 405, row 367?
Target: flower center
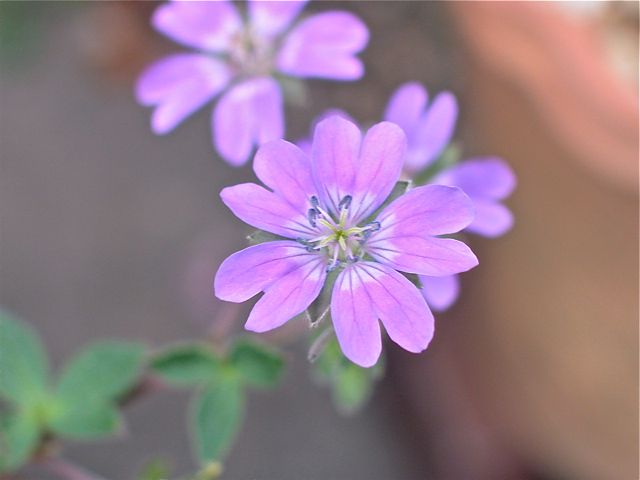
column 337, row 237
column 251, row 54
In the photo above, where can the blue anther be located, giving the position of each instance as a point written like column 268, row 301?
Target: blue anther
column 345, row 202
column 312, row 214
column 353, row 259
column 332, row 266
column 314, row 201
column 375, row 226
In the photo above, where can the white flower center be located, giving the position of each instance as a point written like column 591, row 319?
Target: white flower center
column 251, row 54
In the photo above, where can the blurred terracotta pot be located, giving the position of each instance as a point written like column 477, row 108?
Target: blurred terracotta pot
column 543, row 346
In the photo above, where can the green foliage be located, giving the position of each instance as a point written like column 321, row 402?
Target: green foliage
column 19, row 436
column 216, row 415
column 101, row 372
column 187, row 365
column 257, row 364
column 23, row 363
column 86, row 421
column 351, row 385
column 157, row 469
column 260, row 236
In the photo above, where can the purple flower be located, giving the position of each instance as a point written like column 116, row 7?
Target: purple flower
column 429, row 127
column 325, row 206
column 240, row 58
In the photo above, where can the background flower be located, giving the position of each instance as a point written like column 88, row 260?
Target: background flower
column 241, row 59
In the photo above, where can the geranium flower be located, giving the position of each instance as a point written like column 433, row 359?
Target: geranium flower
column 241, row 58
column 326, row 208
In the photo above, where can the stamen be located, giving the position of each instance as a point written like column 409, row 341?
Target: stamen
column 314, row 201
column 374, row 226
column 312, row 214
column 345, row 202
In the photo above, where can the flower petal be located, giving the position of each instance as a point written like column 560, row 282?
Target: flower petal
column 334, row 159
column 324, row 45
column 427, row 210
column 378, row 291
column 265, row 210
column 381, row 158
column 434, row 132
column 250, row 113
column 488, row 177
column 180, row 84
column 285, row 169
column 492, row 219
column 269, row 18
column 288, row 296
column 424, row 255
column 406, row 106
column 204, row 25
column 250, row 271
column 440, row 292
column 354, row 319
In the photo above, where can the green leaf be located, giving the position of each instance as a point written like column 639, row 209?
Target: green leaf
column 86, row 421
column 19, row 436
column 449, row 157
column 23, row 362
column 216, row 416
column 186, row 365
column 258, row 365
column 101, row 372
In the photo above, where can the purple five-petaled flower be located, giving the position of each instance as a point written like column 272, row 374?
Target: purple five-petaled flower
column 241, row 58
column 487, row 180
column 325, row 206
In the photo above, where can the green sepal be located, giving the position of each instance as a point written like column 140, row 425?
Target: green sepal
column 23, row 362
column 257, row 364
column 260, row 236
column 449, row 157
column 186, row 365
column 216, row 416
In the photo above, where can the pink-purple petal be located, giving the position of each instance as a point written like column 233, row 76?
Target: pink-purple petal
column 325, row 46
column 250, row 271
column 398, row 304
column 270, row 18
column 379, row 166
column 289, row 295
column 335, row 156
column 249, row 114
column 265, row 210
column 179, row 85
column 421, row 254
column 486, row 177
column 286, row 170
column 440, row 292
column 204, row 25
column 492, row 219
column 355, row 320
column 406, row 106
column 426, row 210
column 434, row 131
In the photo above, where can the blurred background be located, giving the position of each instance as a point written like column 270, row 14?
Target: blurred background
column 110, row 232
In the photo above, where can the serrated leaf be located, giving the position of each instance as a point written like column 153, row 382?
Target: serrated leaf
column 23, row 362
column 101, row 372
column 186, row 365
column 257, row 364
column 86, row 421
column 19, row 435
column 215, row 417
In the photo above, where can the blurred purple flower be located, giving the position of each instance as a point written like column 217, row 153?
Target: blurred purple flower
column 429, row 127
column 325, row 208
column 241, row 58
